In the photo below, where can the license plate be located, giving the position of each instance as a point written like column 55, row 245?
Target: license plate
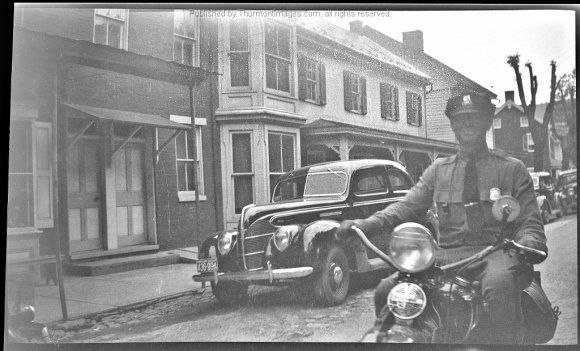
column 207, row 265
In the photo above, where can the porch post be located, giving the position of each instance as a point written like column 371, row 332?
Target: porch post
column 344, row 149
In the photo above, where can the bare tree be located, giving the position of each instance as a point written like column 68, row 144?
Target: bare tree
column 566, row 97
column 539, row 130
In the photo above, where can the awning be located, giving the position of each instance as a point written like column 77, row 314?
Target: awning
column 135, row 118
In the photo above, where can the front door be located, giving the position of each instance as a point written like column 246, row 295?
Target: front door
column 129, row 179
column 84, row 203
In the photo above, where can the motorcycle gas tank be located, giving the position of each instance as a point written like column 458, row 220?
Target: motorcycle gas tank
column 456, row 305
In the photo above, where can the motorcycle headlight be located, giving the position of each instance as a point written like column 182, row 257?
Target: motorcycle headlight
column 412, row 248
column 284, row 235
column 225, row 241
column 407, row 300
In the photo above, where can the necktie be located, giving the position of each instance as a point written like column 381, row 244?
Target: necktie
column 470, row 191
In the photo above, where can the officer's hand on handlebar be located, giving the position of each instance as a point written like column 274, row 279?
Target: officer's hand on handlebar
column 345, row 230
column 530, row 251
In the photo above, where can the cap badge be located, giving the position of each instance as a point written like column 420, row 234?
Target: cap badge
column 466, row 100
column 494, row 194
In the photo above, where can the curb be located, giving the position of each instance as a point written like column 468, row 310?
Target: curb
column 120, row 309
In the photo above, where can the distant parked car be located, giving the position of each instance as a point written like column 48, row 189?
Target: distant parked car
column 546, row 196
column 293, row 236
column 568, row 190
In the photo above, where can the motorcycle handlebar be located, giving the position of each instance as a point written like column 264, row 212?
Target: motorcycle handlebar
column 527, row 249
column 370, row 245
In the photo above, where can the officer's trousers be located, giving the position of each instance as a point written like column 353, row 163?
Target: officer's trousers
column 503, row 276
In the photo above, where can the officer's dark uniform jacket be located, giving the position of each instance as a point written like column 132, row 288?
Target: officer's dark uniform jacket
column 467, row 226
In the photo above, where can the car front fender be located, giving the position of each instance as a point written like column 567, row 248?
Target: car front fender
column 316, row 232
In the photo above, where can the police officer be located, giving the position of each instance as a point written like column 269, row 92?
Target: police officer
column 463, row 187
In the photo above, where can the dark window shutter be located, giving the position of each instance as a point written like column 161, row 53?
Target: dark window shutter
column 322, row 82
column 347, row 91
column 383, row 92
column 420, row 109
column 301, row 77
column 396, row 97
column 363, row 94
column 409, row 107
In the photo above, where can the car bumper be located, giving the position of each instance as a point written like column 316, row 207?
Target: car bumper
column 261, row 275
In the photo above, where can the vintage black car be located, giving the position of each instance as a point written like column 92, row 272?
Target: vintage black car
column 546, row 196
column 568, row 190
column 293, row 236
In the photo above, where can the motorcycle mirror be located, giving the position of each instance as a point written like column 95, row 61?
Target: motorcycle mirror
column 508, row 206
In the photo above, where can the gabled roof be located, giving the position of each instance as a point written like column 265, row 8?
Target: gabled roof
column 508, row 104
column 421, row 59
column 358, row 43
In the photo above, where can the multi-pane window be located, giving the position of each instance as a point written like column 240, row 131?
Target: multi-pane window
column 355, row 96
column 414, row 109
column 239, row 53
column 242, row 170
column 528, row 142
column 185, row 157
column 523, row 121
column 497, row 123
column 389, row 102
column 280, row 156
column 311, row 80
column 185, row 38
column 30, row 175
column 278, row 57
column 111, row 27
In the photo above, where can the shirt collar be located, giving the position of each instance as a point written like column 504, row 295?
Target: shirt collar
column 483, row 153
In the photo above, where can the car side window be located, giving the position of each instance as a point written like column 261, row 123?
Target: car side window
column 370, row 181
column 399, row 180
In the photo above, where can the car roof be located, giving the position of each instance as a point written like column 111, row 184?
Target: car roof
column 348, row 166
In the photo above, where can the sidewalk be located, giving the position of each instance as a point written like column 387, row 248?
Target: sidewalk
column 85, row 295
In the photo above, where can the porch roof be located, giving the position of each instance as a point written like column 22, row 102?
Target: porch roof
column 141, row 119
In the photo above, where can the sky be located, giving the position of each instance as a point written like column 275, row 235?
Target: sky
column 477, row 43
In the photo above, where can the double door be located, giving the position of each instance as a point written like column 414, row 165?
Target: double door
column 86, row 189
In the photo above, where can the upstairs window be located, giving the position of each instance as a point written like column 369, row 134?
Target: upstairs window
column 111, row 27
column 311, row 80
column 524, row 121
column 389, row 102
column 239, row 53
column 414, row 109
column 497, row 123
column 355, row 93
column 185, row 38
column 278, row 57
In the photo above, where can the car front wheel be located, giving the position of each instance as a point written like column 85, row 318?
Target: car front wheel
column 230, row 293
column 333, row 279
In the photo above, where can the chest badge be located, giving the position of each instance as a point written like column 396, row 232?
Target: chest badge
column 494, row 194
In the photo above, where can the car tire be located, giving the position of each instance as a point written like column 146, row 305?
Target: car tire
column 230, row 293
column 332, row 282
column 545, row 215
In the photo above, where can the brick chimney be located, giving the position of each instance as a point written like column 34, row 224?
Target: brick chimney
column 356, row 26
column 414, row 39
column 509, row 95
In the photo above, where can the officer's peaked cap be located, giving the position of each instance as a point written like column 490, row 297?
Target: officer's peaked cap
column 469, row 103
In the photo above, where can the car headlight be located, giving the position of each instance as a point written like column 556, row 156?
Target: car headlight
column 412, row 248
column 284, row 235
column 571, row 191
column 407, row 300
column 225, row 241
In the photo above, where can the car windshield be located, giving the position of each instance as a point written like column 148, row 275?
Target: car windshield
column 568, row 178
column 329, row 183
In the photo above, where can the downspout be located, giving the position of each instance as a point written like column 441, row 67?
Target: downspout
column 195, row 160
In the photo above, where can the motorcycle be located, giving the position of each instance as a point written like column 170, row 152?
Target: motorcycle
column 435, row 304
column 21, row 327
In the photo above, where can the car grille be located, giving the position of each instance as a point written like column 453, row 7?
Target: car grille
column 255, row 240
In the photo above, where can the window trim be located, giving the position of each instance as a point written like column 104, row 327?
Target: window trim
column 291, row 61
column 124, row 37
column 527, row 140
column 361, row 92
column 189, row 195
column 394, row 91
column 195, row 59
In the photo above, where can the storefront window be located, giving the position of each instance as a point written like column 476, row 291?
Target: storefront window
column 20, row 176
